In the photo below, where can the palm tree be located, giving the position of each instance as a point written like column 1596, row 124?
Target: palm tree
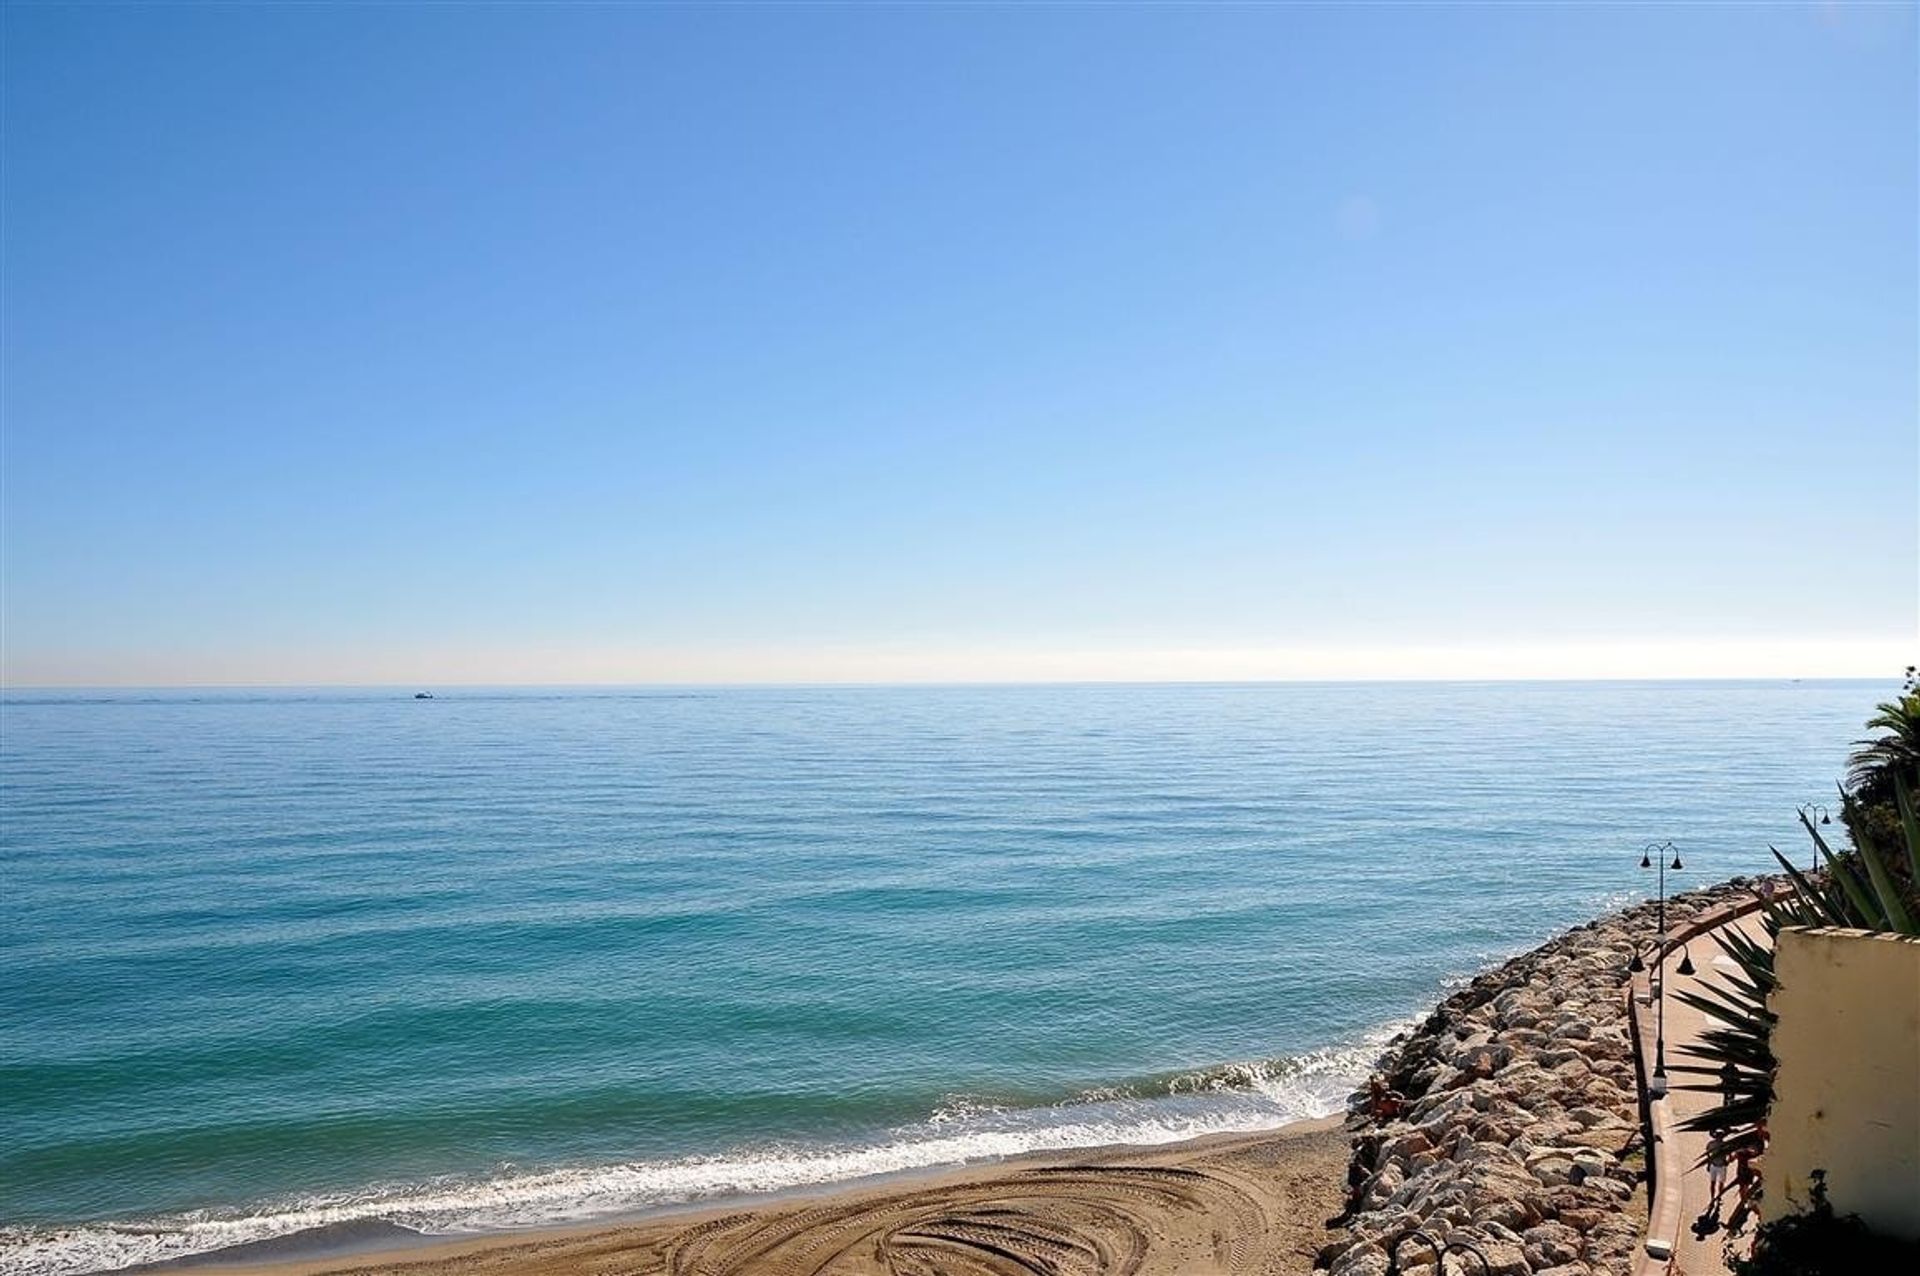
column 1867, row 804
column 1878, row 759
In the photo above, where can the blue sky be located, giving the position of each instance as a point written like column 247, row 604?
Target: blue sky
column 593, row 343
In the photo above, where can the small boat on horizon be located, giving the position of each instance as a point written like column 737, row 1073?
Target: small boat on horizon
column 423, row 695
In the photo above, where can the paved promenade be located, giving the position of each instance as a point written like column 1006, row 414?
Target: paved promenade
column 1698, row 1256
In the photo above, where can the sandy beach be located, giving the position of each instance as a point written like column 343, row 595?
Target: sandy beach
column 1237, row 1205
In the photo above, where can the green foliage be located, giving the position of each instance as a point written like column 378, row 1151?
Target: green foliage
column 1876, row 822
column 1735, row 1060
column 1879, row 763
column 1822, row 1243
column 1878, row 758
column 1861, row 889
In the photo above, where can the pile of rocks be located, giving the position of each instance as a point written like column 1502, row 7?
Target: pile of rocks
column 1520, row 1131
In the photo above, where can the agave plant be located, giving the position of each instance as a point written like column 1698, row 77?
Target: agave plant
column 1735, row 1059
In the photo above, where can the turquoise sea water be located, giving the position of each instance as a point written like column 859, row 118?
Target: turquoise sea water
column 276, row 961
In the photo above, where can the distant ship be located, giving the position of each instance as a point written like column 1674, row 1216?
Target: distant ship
column 423, row 695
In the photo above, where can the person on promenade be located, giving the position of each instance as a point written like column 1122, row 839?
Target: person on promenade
column 1746, row 1189
column 1716, row 1170
column 1709, row 1221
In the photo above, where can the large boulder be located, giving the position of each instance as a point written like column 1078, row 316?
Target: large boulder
column 1551, row 1244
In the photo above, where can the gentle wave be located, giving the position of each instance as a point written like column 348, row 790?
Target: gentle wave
column 1228, row 1099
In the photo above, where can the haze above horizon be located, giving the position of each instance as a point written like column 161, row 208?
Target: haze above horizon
column 518, row 344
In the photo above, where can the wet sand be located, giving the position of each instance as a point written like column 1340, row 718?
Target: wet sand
column 1231, row 1205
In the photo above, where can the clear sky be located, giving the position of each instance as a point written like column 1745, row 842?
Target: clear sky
column 551, row 343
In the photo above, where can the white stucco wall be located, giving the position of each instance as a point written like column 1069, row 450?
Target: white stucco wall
column 1847, row 1094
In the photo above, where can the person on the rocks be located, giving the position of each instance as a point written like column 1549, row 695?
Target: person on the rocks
column 1383, row 1103
column 1366, row 1152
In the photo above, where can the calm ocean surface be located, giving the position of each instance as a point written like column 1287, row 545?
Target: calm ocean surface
column 278, row 961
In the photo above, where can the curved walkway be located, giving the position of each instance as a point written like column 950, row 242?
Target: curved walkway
column 1680, row 1192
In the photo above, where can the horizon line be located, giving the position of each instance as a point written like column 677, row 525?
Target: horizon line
column 7, row 688
column 600, row 664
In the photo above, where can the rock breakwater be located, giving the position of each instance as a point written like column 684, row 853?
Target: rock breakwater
column 1516, row 1125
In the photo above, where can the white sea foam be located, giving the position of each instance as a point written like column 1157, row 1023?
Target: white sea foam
column 1234, row 1098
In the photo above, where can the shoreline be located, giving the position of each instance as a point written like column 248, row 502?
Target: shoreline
column 1310, row 1151
column 1287, row 1179
column 1166, row 1113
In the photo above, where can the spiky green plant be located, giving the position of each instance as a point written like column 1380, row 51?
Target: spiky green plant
column 1735, row 1059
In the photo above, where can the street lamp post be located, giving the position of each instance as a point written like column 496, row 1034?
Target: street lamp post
column 1807, row 811
column 1655, row 856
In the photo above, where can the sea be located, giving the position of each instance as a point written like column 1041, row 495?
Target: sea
column 285, row 964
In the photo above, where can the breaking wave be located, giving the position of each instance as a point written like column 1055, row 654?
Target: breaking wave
column 1229, row 1098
